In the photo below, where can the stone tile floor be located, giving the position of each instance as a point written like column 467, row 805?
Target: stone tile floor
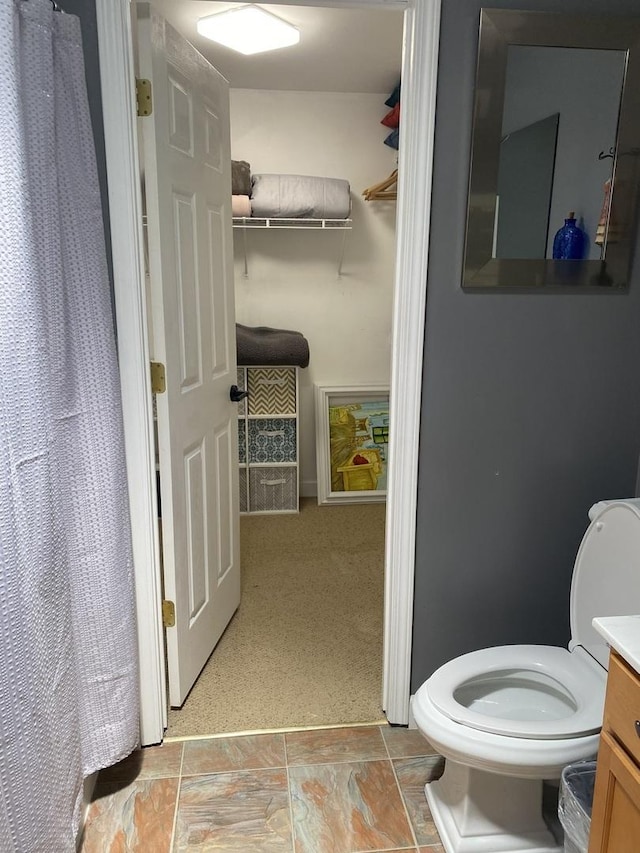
column 344, row 790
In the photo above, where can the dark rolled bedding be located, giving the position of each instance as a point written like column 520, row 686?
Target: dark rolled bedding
column 261, row 345
column 240, row 177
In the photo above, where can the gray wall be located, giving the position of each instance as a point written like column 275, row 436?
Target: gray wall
column 86, row 11
column 531, row 411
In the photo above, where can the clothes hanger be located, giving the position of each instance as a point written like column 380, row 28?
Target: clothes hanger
column 383, row 190
column 376, row 189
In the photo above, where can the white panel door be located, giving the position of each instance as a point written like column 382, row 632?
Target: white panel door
column 187, row 177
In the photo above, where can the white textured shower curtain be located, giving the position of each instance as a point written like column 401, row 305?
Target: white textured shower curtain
column 68, row 659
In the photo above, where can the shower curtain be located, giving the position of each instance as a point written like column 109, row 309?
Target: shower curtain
column 68, row 654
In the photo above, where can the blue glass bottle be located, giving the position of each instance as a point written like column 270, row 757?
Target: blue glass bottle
column 569, row 242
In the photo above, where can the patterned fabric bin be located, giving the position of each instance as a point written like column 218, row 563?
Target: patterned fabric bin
column 242, row 442
column 273, row 489
column 272, row 440
column 244, row 501
column 272, row 390
column 242, row 385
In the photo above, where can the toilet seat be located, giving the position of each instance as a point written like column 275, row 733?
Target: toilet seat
column 522, row 691
column 523, row 758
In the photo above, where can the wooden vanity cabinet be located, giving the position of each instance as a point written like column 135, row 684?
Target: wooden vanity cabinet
column 615, row 820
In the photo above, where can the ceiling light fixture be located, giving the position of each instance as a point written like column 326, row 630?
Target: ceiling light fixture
column 248, row 29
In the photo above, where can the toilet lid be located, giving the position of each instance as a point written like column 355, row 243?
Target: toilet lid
column 526, row 691
column 606, row 576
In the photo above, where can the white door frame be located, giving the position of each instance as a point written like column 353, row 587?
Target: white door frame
column 419, row 74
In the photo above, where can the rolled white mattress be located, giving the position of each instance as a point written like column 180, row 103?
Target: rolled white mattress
column 299, row 196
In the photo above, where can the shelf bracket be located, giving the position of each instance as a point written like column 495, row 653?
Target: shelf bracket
column 341, row 259
column 245, row 274
column 276, row 224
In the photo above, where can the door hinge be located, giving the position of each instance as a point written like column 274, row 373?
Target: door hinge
column 158, row 378
column 168, row 613
column 144, row 100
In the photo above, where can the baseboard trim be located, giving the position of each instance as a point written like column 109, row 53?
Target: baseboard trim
column 412, row 719
column 308, row 489
column 87, row 794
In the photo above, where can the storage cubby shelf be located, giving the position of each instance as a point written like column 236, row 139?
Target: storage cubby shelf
column 268, row 439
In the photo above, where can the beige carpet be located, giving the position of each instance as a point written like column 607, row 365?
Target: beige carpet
column 305, row 647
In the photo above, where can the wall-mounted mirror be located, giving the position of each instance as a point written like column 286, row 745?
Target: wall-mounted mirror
column 556, row 137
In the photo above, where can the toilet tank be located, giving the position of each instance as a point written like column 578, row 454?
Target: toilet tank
column 606, row 574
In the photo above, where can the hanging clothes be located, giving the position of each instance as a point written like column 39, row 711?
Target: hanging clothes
column 68, row 651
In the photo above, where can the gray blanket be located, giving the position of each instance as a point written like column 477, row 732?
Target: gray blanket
column 300, row 196
column 260, row 345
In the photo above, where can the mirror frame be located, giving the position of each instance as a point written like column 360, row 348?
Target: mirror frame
column 500, row 28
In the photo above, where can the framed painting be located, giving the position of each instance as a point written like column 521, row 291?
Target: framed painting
column 352, row 440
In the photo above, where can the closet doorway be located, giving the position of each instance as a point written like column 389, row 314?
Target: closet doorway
column 305, row 646
column 414, row 187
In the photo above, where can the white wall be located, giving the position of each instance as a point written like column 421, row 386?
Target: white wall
column 293, row 282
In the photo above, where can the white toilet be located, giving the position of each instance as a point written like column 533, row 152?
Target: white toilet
column 506, row 718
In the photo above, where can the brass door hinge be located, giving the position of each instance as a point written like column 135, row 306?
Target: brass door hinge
column 144, row 100
column 158, row 378
column 168, row 613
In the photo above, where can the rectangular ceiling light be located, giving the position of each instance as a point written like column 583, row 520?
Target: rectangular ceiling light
column 248, row 29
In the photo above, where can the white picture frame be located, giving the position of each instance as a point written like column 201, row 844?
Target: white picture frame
column 352, row 434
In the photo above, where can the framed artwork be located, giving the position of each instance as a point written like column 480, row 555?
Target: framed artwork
column 352, row 439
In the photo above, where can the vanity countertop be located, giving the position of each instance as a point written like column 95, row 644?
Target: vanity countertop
column 623, row 634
